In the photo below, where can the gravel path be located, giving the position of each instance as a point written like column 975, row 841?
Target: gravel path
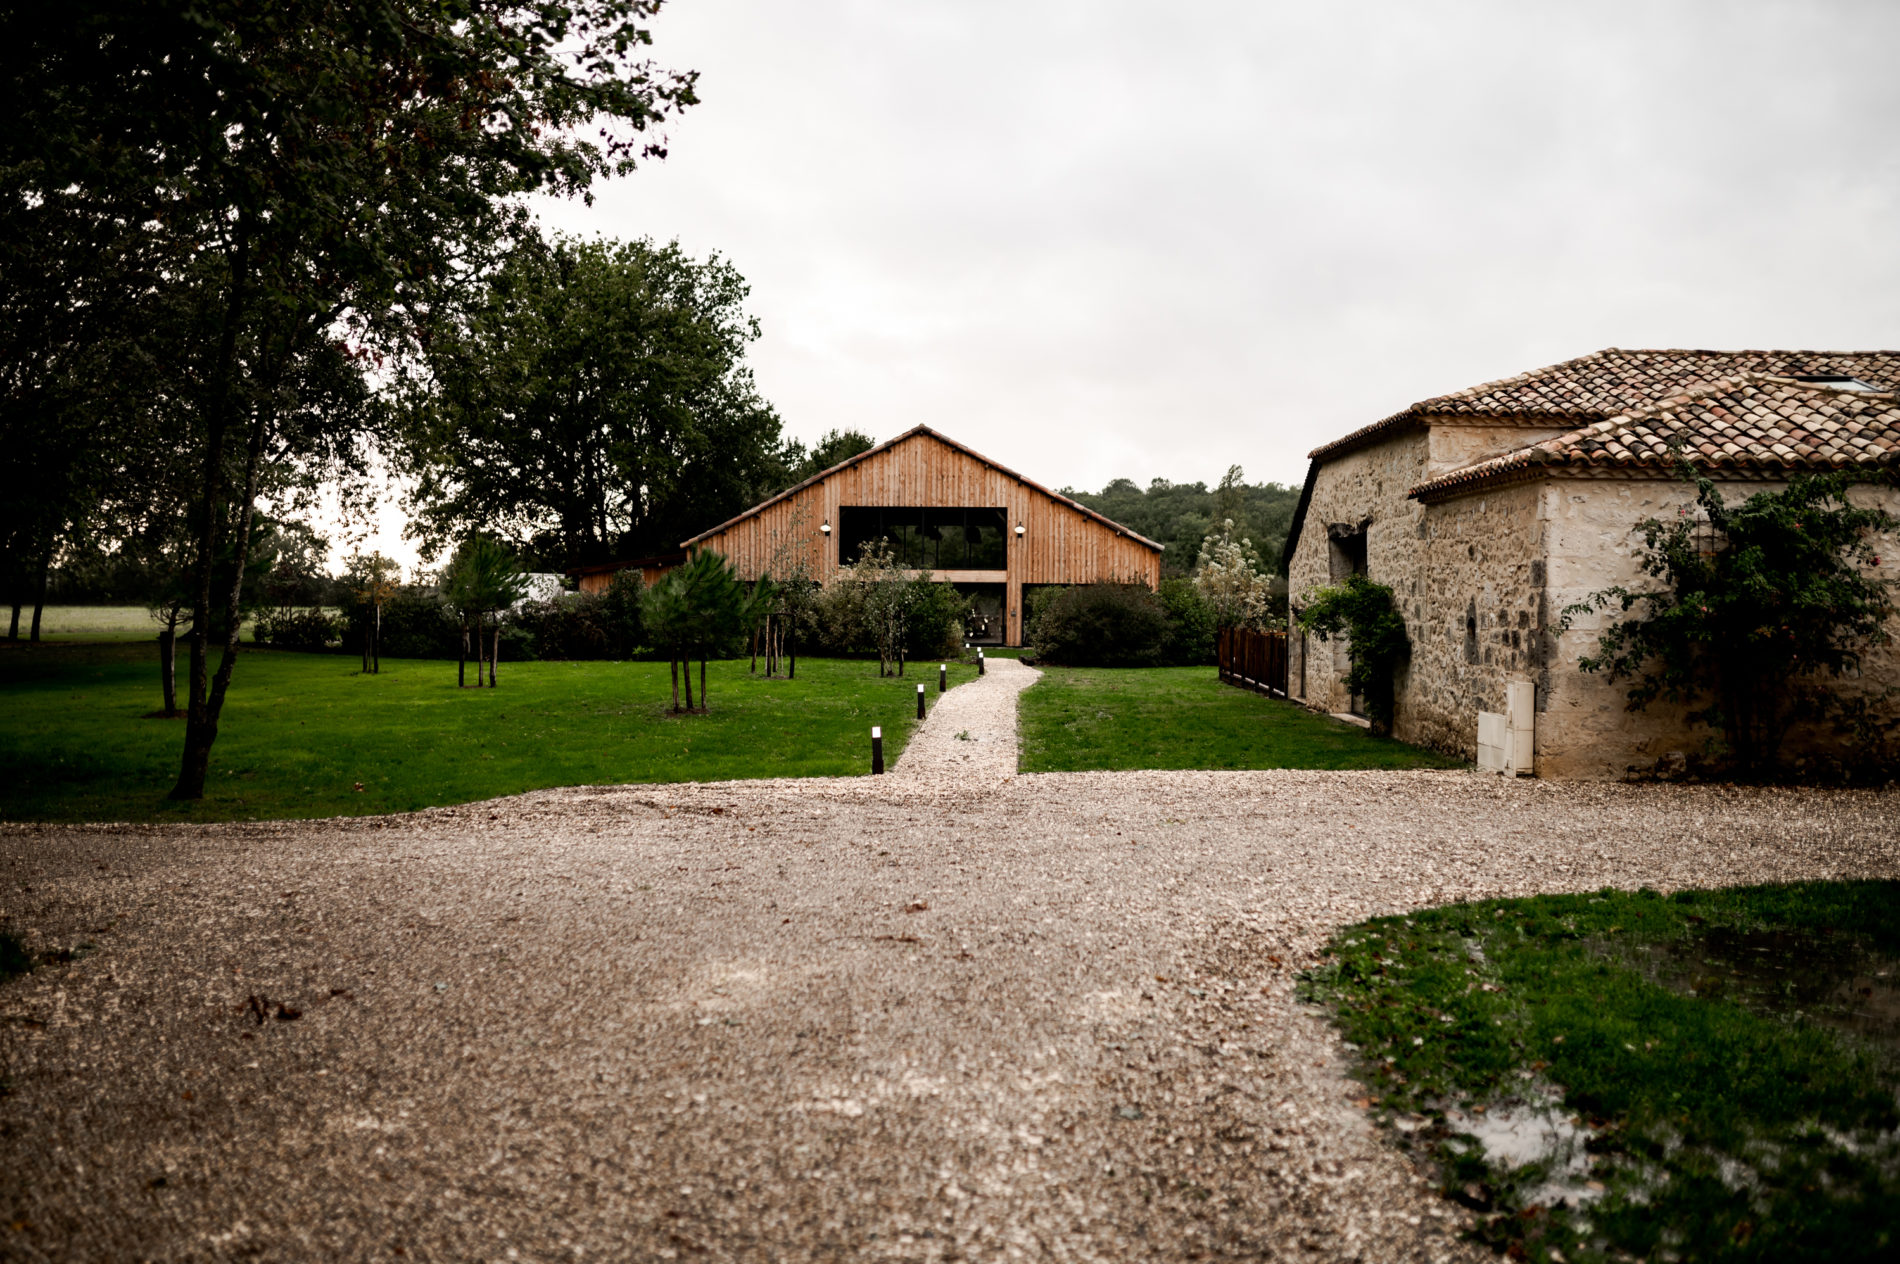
column 970, row 738
column 925, row 1016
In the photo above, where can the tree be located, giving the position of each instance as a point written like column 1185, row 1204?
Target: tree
column 695, row 611
column 595, row 403
column 322, row 176
column 836, row 446
column 1181, row 515
column 1229, row 578
column 796, row 593
column 1759, row 608
column 371, row 581
column 870, row 600
column 482, row 579
column 1376, row 643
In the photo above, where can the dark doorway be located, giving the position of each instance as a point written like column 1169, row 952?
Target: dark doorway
column 988, row 621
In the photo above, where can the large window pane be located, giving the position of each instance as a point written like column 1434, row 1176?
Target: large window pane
column 927, row 538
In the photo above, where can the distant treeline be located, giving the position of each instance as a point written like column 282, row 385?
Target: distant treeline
column 1180, row 515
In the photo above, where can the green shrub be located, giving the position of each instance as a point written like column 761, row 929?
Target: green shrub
column 1755, row 617
column 1102, row 625
column 415, row 625
column 572, row 626
column 620, row 613
column 308, row 630
column 1191, row 623
column 936, row 620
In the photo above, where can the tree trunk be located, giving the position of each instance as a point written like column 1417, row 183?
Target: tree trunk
column 674, row 663
column 688, row 663
column 755, row 657
column 702, row 684
column 791, row 654
column 39, row 597
column 461, row 663
column 168, row 668
column 206, row 700
column 494, row 649
column 376, row 643
column 13, row 629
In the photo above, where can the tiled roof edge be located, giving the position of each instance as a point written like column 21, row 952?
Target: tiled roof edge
column 1533, row 460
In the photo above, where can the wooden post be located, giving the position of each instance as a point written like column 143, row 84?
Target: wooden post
column 877, row 750
column 920, row 702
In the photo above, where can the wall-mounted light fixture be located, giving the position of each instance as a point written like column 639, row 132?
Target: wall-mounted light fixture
column 826, row 528
column 1019, row 531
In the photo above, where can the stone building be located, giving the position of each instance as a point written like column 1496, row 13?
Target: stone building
column 1490, row 510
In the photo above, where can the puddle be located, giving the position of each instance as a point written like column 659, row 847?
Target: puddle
column 1521, row 1134
column 1835, row 980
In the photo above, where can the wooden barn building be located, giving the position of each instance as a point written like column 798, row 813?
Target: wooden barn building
column 599, row 577
column 946, row 510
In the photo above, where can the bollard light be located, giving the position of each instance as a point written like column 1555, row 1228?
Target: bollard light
column 979, row 660
column 943, row 678
column 877, row 749
column 920, row 701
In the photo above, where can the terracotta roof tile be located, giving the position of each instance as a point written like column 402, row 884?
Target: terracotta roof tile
column 1615, row 381
column 1753, row 424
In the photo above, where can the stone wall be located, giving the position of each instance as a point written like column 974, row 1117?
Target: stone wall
column 1365, row 489
column 1482, row 581
column 1584, row 728
column 1480, row 617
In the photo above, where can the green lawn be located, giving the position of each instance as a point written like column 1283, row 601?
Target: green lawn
column 301, row 730
column 93, row 623
column 1712, row 1076
column 1083, row 719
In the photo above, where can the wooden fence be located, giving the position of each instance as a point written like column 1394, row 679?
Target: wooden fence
column 1253, row 660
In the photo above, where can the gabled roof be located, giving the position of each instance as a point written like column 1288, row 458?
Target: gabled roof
column 947, row 441
column 1612, row 382
column 1752, row 425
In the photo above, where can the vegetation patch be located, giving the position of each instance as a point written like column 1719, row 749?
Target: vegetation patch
column 1708, row 1076
column 306, row 735
column 1089, row 719
column 13, row 957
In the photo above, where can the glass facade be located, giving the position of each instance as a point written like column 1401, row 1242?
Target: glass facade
column 928, row 539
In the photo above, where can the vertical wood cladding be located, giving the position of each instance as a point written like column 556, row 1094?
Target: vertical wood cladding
column 1060, row 543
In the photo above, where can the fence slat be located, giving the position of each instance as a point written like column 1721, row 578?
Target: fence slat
column 1253, row 660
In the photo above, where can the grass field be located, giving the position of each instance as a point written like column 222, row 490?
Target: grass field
column 300, row 731
column 1083, row 719
column 94, row 623
column 1620, row 1076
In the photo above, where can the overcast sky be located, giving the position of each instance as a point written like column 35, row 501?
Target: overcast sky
column 1100, row 239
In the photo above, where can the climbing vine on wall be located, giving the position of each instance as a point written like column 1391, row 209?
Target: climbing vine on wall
column 1365, row 614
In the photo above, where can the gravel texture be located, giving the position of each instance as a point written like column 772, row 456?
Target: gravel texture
column 949, row 1013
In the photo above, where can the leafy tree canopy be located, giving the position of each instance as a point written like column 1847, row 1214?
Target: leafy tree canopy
column 1182, row 515
column 802, row 463
column 315, row 180
column 593, row 404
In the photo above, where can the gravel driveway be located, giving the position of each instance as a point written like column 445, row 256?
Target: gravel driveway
column 948, row 1013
